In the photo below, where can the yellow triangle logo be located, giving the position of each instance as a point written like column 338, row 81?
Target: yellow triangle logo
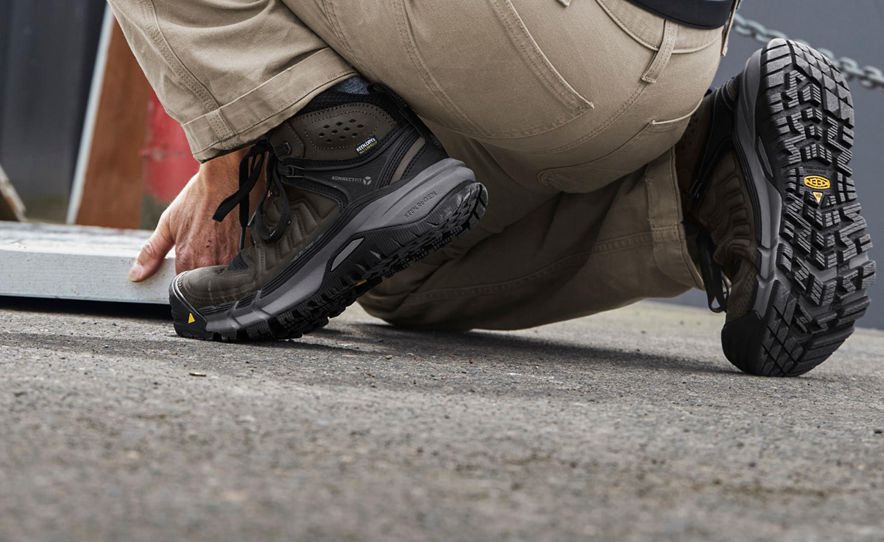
column 190, row 318
column 818, row 196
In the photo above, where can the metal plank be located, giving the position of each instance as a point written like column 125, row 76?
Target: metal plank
column 76, row 262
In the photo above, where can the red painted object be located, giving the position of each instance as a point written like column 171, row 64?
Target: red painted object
column 168, row 164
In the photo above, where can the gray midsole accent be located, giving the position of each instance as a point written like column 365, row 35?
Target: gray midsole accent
column 342, row 255
column 768, row 197
column 409, row 203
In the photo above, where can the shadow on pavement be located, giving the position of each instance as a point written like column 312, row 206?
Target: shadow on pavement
column 97, row 308
column 479, row 345
column 492, row 346
column 363, row 339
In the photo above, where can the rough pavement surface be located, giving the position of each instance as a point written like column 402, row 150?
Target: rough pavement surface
column 627, row 426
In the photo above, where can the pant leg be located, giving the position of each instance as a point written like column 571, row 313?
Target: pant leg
column 568, row 114
column 228, row 73
column 573, row 255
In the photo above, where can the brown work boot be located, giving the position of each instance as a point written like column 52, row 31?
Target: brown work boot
column 772, row 212
column 357, row 189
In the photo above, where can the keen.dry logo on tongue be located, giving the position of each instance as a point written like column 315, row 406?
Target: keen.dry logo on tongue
column 366, row 145
column 815, row 182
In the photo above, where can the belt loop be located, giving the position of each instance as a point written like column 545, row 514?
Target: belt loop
column 565, row 3
column 726, row 33
column 664, row 52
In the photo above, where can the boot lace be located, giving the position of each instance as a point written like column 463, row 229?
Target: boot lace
column 715, row 281
column 260, row 157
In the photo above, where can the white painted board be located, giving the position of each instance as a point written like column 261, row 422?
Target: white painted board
column 77, row 262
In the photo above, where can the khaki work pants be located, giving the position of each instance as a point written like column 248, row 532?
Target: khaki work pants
column 566, row 110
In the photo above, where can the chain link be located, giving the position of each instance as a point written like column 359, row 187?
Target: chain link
column 868, row 76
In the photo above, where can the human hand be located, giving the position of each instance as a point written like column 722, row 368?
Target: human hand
column 187, row 223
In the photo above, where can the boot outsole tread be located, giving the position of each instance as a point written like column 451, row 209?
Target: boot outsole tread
column 822, row 260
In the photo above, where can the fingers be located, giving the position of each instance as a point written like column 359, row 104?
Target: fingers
column 198, row 241
column 153, row 252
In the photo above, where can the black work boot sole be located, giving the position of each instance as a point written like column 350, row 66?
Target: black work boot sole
column 404, row 223
column 793, row 134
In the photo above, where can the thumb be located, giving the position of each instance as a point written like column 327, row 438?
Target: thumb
column 153, row 252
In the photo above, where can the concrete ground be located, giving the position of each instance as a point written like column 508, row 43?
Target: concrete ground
column 624, row 426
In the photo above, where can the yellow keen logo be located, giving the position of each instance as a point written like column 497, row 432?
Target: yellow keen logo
column 816, row 182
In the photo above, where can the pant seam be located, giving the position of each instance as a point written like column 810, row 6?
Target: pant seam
column 667, row 205
column 238, row 132
column 540, row 65
column 240, row 103
column 686, row 259
column 193, row 84
column 683, row 249
column 336, row 27
column 607, row 123
column 410, row 45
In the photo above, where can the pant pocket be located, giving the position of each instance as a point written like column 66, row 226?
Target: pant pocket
column 651, row 141
column 487, row 75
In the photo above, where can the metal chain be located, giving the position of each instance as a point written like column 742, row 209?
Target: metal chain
column 868, row 76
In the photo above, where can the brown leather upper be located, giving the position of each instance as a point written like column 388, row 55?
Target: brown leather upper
column 724, row 209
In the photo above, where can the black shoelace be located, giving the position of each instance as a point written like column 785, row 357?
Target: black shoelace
column 259, row 157
column 714, row 280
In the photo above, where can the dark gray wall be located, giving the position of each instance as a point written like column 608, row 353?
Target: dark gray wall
column 47, row 50
column 851, row 29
